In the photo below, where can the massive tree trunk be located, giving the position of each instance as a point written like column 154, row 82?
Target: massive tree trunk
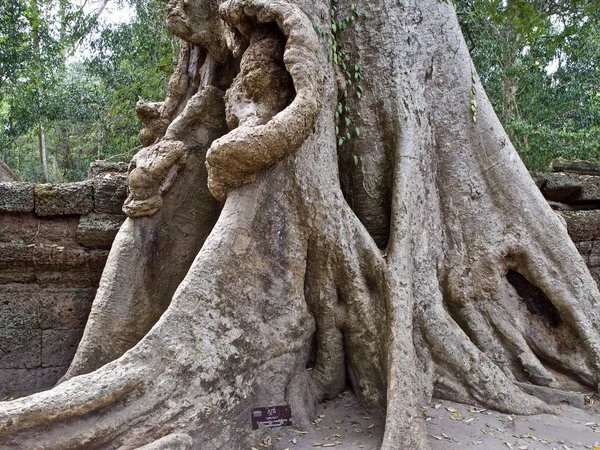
column 418, row 258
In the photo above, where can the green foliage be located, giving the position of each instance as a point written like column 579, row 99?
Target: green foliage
column 341, row 56
column 132, row 61
column 539, row 62
column 86, row 103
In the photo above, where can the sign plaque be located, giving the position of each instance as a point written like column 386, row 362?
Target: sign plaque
column 272, row 416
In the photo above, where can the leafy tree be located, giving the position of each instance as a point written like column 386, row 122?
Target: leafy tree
column 548, row 113
column 323, row 188
column 131, row 61
column 84, row 105
column 37, row 34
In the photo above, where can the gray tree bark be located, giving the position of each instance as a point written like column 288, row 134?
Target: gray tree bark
column 417, row 259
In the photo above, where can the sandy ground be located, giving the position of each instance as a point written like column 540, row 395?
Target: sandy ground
column 341, row 424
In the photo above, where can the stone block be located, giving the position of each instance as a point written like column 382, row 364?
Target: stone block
column 20, row 348
column 65, row 308
column 569, row 188
column 558, row 187
column 98, row 230
column 100, row 168
column 16, row 383
column 58, row 346
column 575, row 166
column 19, row 306
column 97, row 262
column 584, row 247
column 16, row 197
column 16, row 263
column 59, row 265
column 583, row 225
column 57, row 231
column 110, row 192
column 18, row 227
column 64, row 199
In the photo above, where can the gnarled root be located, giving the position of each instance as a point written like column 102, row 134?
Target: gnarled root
column 151, row 255
column 238, row 157
column 225, row 345
column 153, row 169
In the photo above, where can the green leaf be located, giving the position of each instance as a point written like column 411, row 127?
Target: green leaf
column 355, row 160
column 357, row 131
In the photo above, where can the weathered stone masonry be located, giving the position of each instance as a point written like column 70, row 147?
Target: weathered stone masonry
column 577, row 198
column 54, row 240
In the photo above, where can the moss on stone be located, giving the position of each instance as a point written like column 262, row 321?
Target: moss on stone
column 45, row 191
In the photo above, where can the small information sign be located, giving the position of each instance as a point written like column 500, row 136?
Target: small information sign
column 272, row 416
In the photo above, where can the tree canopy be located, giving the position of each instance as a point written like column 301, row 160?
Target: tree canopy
column 80, row 83
column 540, row 65
column 539, row 62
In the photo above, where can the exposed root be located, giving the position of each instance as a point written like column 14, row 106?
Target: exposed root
column 238, row 157
column 344, row 291
column 52, row 406
column 153, row 169
column 156, row 117
column 177, row 441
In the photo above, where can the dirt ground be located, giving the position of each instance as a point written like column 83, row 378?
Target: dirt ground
column 341, row 424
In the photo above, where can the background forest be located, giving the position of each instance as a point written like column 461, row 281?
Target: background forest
column 70, row 75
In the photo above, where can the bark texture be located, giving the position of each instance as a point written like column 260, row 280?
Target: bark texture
column 414, row 260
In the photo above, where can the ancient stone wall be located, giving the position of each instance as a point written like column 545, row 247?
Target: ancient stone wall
column 54, row 241
column 576, row 197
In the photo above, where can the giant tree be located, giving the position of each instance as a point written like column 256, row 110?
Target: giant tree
column 385, row 237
